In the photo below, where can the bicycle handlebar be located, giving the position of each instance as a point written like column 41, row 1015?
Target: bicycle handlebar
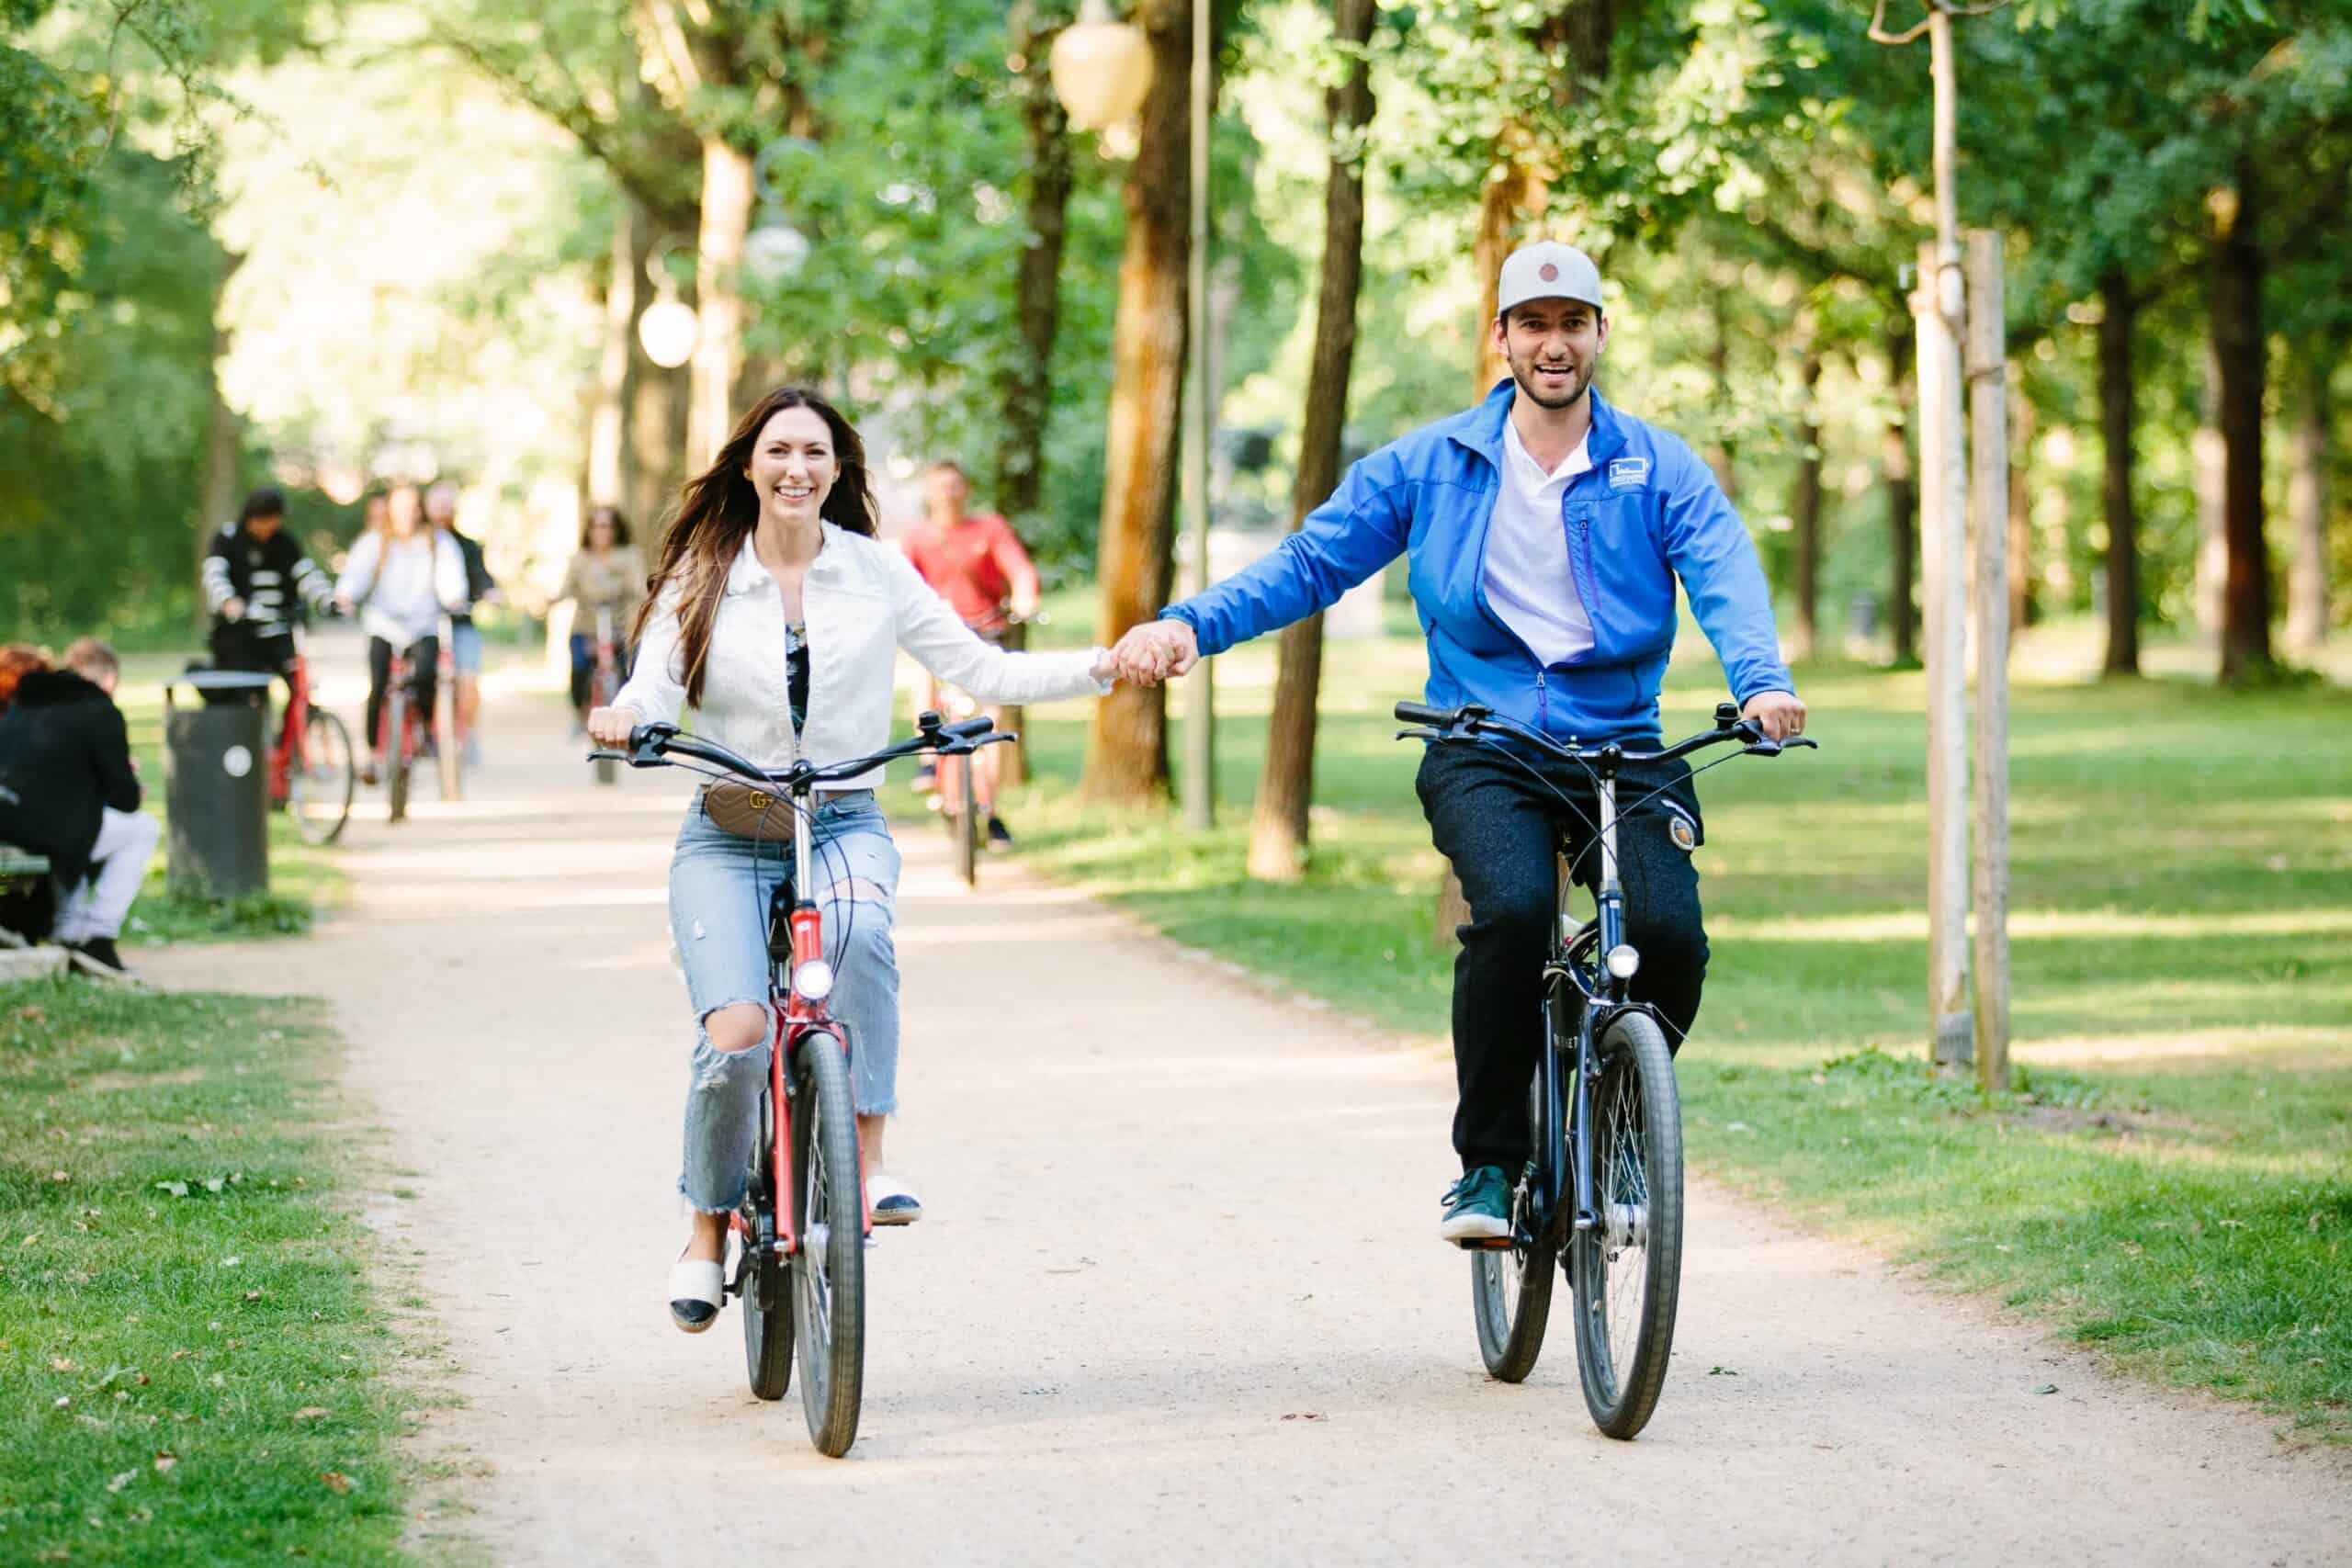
column 650, row 745
column 1471, row 721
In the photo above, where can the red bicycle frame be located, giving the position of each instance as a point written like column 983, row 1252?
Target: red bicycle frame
column 292, row 734
column 799, row 1016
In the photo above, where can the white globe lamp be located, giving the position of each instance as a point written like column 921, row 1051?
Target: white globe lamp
column 1100, row 69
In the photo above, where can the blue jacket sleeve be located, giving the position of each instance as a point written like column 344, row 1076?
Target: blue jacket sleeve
column 1359, row 529
column 1712, row 555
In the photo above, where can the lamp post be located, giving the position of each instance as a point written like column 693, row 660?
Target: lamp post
column 668, row 329
column 1200, row 701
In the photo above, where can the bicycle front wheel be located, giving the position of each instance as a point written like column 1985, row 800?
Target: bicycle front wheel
column 319, row 781
column 1510, row 1288
column 829, row 1275
column 1627, row 1270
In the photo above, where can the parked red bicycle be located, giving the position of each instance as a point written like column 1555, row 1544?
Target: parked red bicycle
column 800, row 1261
column 310, row 768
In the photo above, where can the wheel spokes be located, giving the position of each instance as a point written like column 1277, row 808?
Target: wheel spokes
column 1624, row 1246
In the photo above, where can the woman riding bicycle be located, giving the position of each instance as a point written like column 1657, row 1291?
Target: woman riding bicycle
column 607, row 577
column 775, row 615
column 407, row 575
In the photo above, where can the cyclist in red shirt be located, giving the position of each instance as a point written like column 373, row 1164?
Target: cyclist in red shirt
column 975, row 562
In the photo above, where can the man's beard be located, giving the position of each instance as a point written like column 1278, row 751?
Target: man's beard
column 1580, row 380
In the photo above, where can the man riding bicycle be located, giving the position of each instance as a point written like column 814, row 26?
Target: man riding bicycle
column 975, row 562
column 258, row 583
column 1544, row 532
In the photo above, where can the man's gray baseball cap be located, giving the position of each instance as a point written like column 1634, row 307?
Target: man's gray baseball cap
column 1547, row 270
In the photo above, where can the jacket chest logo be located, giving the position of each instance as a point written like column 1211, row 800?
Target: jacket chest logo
column 1626, row 472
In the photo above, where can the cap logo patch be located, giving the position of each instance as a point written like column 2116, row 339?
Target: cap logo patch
column 1548, row 273
column 1624, row 472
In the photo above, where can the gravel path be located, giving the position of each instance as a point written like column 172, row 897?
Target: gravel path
column 1177, row 1299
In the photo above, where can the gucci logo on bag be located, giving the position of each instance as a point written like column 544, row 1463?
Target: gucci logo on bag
column 761, row 801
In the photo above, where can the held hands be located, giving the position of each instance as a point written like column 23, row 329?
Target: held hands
column 1154, row 651
column 1778, row 714
column 610, row 727
column 234, row 610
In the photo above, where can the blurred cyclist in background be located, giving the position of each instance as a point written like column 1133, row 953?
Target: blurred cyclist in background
column 975, row 562
column 465, row 641
column 258, row 583
column 607, row 574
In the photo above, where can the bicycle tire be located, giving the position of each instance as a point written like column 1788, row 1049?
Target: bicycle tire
column 765, row 1282
column 1510, row 1288
column 318, row 783
column 828, row 1276
column 1621, row 1360
column 396, row 760
column 967, row 835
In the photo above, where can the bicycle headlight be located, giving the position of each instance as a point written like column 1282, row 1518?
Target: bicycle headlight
column 1622, row 961
column 814, row 980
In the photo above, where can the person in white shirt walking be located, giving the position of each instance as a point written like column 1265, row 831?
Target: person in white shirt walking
column 403, row 579
column 777, row 614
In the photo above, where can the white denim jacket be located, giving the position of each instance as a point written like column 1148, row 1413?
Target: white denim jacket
column 861, row 601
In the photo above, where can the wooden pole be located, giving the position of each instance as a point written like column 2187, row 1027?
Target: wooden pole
column 1200, row 703
column 1988, row 453
column 1943, row 511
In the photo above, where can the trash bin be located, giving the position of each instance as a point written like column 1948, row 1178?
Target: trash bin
column 216, row 785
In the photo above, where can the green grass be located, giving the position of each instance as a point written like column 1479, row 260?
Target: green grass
column 2174, row 1184
column 191, row 1361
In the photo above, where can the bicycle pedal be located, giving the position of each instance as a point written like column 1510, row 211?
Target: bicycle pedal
column 1484, row 1243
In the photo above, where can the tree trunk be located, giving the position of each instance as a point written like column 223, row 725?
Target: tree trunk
column 718, row 352
column 1027, row 387
column 2119, row 429
column 2209, row 456
column 658, row 401
column 1721, row 454
column 2307, row 503
column 1805, row 511
column 1278, row 828
column 1126, row 746
column 608, row 451
column 2241, row 352
column 1508, row 189
column 1900, row 478
column 223, row 430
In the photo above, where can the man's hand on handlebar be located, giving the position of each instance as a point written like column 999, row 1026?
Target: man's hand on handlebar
column 611, row 726
column 1780, row 715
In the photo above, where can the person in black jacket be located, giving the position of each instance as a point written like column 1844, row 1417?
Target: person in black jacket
column 257, row 582
column 69, row 790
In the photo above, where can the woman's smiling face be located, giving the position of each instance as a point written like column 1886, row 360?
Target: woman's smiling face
column 794, row 464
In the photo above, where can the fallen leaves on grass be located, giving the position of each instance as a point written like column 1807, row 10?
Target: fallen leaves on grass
column 121, row 1480
column 165, row 1460
column 309, row 1413
column 336, row 1481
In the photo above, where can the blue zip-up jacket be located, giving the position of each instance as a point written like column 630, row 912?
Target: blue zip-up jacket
column 1645, row 512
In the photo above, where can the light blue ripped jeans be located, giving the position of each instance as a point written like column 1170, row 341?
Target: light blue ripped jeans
column 719, row 888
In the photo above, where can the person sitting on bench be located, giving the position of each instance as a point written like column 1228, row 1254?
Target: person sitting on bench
column 69, row 790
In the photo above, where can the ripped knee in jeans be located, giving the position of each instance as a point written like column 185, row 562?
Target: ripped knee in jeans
column 737, row 1027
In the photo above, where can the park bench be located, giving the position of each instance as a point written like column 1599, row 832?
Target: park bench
column 21, row 875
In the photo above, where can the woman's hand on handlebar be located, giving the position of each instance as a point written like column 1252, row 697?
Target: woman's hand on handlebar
column 611, row 726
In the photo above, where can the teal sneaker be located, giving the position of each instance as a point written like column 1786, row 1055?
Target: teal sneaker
column 1478, row 1207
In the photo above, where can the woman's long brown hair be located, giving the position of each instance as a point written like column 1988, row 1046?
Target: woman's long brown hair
column 718, row 508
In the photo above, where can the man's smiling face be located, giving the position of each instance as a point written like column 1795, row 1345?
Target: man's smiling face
column 1552, row 347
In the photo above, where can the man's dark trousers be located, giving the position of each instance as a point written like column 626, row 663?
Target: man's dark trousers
column 1502, row 820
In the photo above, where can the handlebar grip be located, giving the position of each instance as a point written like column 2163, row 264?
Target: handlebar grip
column 968, row 728
column 1421, row 713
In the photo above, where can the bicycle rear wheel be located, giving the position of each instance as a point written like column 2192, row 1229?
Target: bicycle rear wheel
column 1627, row 1269
column 763, row 1282
column 397, row 756
column 319, row 781
column 829, row 1275
column 1510, row 1288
